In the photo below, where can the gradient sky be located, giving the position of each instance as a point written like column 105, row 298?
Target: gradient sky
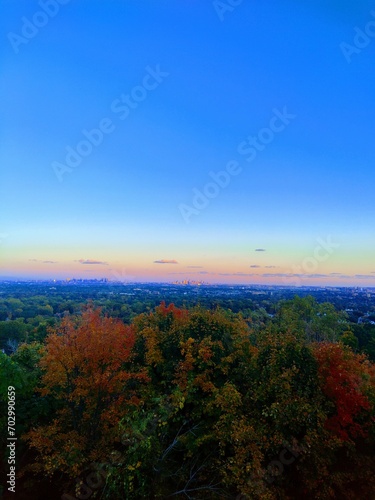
column 118, row 214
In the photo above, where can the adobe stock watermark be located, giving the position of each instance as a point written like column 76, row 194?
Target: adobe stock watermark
column 120, row 107
column 275, row 468
column 309, row 265
column 121, row 276
column 12, row 439
column 248, row 148
column 223, row 6
column 3, row 237
column 99, row 472
column 31, row 27
column 118, row 277
column 95, row 479
column 361, row 40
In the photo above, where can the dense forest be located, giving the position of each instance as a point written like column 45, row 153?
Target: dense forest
column 27, row 310
column 190, row 402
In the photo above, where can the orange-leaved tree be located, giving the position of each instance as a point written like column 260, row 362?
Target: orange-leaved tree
column 87, row 368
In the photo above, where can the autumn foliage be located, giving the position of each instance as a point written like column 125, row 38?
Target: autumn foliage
column 346, row 379
column 87, row 369
column 198, row 405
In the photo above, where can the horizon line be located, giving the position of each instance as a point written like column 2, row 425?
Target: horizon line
column 108, row 282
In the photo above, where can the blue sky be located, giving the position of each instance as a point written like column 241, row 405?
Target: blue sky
column 224, row 72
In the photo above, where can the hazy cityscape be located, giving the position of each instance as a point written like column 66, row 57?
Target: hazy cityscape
column 187, row 271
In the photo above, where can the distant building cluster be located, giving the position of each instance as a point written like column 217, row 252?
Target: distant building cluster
column 190, row 282
column 88, row 281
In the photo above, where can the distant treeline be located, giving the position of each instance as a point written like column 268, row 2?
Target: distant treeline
column 27, row 311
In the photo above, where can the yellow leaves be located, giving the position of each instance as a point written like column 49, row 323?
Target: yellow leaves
column 187, row 350
column 59, row 451
column 177, row 400
column 153, row 353
column 203, row 381
column 134, row 467
column 228, row 398
column 205, row 353
column 187, row 346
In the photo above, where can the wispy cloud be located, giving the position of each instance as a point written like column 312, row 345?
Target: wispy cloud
column 185, row 273
column 270, row 267
column 260, row 249
column 91, row 261
column 317, row 275
column 290, row 275
column 344, row 276
column 44, row 261
column 312, row 276
column 279, row 275
column 165, row 261
column 255, row 265
column 237, row 274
